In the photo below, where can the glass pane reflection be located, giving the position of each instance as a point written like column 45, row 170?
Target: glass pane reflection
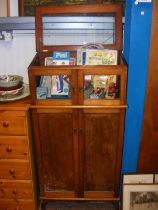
column 53, row 87
column 101, row 87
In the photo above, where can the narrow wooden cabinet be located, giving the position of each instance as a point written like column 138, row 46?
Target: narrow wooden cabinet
column 17, row 183
column 78, row 134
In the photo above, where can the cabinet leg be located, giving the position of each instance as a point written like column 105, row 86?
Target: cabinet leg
column 116, row 205
column 43, row 205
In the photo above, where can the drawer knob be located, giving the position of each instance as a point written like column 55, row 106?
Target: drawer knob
column 15, row 191
column 9, row 149
column 17, row 208
column 5, row 124
column 2, row 190
column 73, row 89
column 12, row 171
column 81, row 89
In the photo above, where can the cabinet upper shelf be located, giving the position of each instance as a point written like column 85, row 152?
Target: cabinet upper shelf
column 73, row 26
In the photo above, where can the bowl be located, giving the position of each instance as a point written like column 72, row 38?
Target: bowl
column 7, row 81
column 11, row 93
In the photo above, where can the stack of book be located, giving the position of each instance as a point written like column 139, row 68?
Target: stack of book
column 97, row 57
column 60, row 58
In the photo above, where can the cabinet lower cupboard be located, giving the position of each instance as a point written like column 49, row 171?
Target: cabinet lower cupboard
column 17, row 183
column 80, row 152
column 78, row 110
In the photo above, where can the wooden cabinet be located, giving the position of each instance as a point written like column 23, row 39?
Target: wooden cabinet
column 17, row 186
column 80, row 152
column 78, row 137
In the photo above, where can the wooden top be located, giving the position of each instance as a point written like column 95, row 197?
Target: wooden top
column 22, row 104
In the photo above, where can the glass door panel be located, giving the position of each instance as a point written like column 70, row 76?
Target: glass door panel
column 78, row 29
column 101, row 87
column 53, row 87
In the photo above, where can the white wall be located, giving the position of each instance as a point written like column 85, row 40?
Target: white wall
column 13, row 7
column 16, row 55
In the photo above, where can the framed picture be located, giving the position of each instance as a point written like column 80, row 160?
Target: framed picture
column 140, row 196
column 156, row 178
column 4, row 8
column 138, row 179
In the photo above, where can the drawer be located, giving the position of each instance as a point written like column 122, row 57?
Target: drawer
column 14, row 147
column 13, row 123
column 8, row 204
column 16, row 189
column 15, row 169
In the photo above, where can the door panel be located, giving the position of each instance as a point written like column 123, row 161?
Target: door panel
column 101, row 138
column 56, row 138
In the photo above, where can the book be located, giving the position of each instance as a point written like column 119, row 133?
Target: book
column 101, row 57
column 60, row 85
column 96, row 57
column 81, row 56
column 42, row 92
column 50, row 62
column 61, row 58
column 61, row 55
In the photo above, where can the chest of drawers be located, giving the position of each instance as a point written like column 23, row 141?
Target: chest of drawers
column 17, row 186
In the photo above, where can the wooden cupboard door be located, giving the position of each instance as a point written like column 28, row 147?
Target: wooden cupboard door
column 57, row 150
column 100, row 153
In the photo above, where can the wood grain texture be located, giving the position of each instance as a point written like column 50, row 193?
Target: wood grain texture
column 17, row 188
column 101, row 133
column 149, row 139
column 15, row 169
column 14, row 147
column 13, row 123
column 56, row 136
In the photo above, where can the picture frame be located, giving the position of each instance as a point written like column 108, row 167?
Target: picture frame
column 156, row 178
column 140, row 196
column 138, row 178
column 5, row 8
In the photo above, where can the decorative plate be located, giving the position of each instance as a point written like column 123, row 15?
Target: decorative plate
column 14, row 95
column 10, row 80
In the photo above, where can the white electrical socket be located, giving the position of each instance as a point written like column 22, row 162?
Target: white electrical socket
column 7, row 35
column 142, row 1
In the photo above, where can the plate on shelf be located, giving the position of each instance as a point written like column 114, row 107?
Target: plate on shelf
column 16, row 94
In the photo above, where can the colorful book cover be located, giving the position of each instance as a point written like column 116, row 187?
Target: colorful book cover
column 60, row 85
column 50, row 62
column 81, row 56
column 101, row 57
column 61, row 55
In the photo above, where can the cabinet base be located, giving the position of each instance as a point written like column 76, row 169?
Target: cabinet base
column 78, row 205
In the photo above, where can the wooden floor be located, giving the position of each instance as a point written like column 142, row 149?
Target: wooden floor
column 81, row 205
